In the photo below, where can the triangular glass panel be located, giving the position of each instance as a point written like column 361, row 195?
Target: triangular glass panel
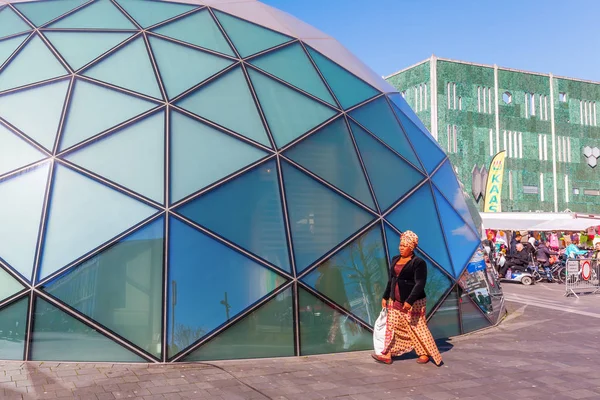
column 34, row 63
column 149, row 12
column 355, row 277
column 403, row 106
column 445, row 322
column 461, row 238
column 94, row 109
column 471, row 317
column 36, row 111
column 289, row 113
column 393, row 241
column 248, row 212
column 383, row 167
column 198, row 29
column 59, row 337
column 16, row 152
column 183, row 67
column 377, row 116
column 11, row 23
column 348, row 89
column 101, row 14
column 130, row 68
column 291, row 64
column 262, row 333
column 121, row 287
column 202, row 155
column 20, row 217
column 82, row 215
column 330, row 154
column 249, row 38
column 224, row 284
column 216, row 100
column 418, row 214
column 41, row 12
column 320, row 219
column 13, row 325
column 79, row 48
column 133, row 157
column 8, row 285
column 325, row 330
column 8, row 47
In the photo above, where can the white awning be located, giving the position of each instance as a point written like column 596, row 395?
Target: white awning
column 516, row 221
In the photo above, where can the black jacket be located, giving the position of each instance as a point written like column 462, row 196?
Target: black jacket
column 520, row 258
column 411, row 281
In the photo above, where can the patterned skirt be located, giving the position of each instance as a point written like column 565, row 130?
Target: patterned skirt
column 407, row 331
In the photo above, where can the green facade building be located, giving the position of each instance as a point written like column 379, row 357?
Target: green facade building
column 549, row 126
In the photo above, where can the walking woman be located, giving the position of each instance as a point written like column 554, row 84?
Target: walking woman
column 405, row 300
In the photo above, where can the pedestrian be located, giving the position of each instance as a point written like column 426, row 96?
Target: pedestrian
column 543, row 254
column 513, row 244
column 404, row 298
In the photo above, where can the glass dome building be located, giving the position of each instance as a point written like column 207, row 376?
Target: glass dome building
column 211, row 180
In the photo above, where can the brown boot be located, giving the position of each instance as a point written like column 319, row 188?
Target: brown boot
column 423, row 360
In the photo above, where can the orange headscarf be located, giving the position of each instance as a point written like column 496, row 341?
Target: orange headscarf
column 410, row 239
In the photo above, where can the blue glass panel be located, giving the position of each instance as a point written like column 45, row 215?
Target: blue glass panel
column 216, row 100
column 16, row 152
column 8, row 285
column 13, row 322
column 209, row 284
column 130, row 68
column 202, row 155
column 101, row 14
column 8, row 46
column 34, row 63
column 40, row 12
column 390, row 176
column 148, row 13
column 249, row 38
column 289, row 113
column 94, row 109
column 121, row 287
column 36, row 111
column 133, row 157
column 11, row 23
column 330, row 153
column 293, row 65
column 445, row 323
column 182, row 67
column 248, row 212
column 84, row 214
column 21, row 203
column 60, row 337
column 472, row 319
column 419, row 214
column 403, row 106
column 320, row 219
column 348, row 89
column 198, row 29
column 393, row 241
column 79, row 48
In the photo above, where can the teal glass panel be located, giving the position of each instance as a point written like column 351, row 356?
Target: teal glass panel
column 293, row 66
column 133, row 157
column 266, row 332
column 249, row 38
column 121, row 287
column 403, row 106
column 198, row 29
column 320, row 219
column 419, row 214
column 355, row 277
column 36, row 111
column 202, row 155
column 8, row 47
column 16, row 152
column 348, row 89
column 60, row 337
column 13, row 322
column 471, row 317
column 101, row 14
column 21, row 203
column 209, row 283
column 84, row 214
column 149, row 12
column 248, row 212
column 41, row 12
column 216, row 100
column 8, row 285
column 325, row 330
column 94, row 109
column 34, row 63
column 130, row 68
column 391, row 177
column 393, row 242
column 330, row 154
column 182, row 67
column 445, row 323
column 377, row 116
column 79, row 48
column 289, row 113
column 11, row 23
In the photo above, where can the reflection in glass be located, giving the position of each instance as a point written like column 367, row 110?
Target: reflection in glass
column 472, row 319
column 445, row 322
column 13, row 320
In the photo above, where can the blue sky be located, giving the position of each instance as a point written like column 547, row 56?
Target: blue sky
column 558, row 36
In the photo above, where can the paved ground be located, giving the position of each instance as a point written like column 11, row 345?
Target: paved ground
column 548, row 348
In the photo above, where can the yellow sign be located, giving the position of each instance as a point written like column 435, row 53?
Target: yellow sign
column 493, row 190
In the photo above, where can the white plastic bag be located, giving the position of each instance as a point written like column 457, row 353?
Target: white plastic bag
column 379, row 332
